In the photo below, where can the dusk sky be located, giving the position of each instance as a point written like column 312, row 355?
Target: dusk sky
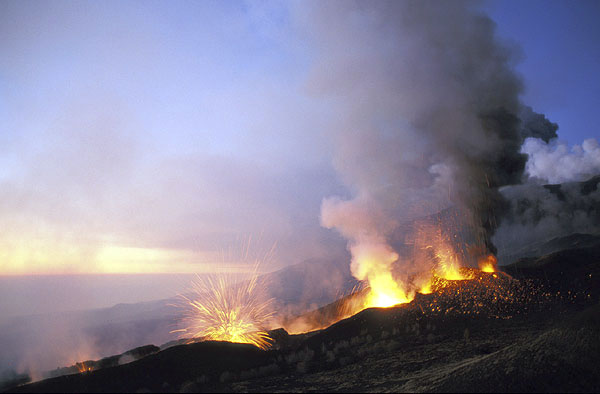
column 143, row 137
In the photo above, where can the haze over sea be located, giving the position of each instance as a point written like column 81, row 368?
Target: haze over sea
column 41, row 294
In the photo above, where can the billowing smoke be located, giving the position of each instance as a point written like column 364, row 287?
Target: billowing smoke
column 429, row 117
column 561, row 196
column 554, row 162
column 534, row 125
column 539, row 213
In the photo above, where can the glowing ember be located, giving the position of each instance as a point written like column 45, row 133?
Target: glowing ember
column 448, row 263
column 488, row 263
column 82, row 367
column 221, row 310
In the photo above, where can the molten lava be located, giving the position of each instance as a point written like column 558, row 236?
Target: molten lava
column 385, row 292
column 488, row 263
column 382, row 290
column 218, row 309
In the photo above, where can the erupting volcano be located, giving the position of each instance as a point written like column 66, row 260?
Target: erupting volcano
column 432, row 232
column 443, row 269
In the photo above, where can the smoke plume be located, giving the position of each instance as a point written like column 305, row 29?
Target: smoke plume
column 534, row 125
column 568, row 205
column 429, row 117
column 554, row 162
column 541, row 212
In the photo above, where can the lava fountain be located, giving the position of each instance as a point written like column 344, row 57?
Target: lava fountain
column 439, row 260
column 229, row 307
column 217, row 308
column 372, row 263
column 82, row 367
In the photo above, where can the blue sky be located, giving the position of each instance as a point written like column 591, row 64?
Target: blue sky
column 561, row 59
column 172, row 128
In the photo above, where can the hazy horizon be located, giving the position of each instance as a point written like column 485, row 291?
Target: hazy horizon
column 48, row 294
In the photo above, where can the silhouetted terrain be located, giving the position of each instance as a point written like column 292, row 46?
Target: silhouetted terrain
column 535, row 330
column 44, row 342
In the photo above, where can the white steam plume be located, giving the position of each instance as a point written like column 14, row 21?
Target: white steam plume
column 556, row 163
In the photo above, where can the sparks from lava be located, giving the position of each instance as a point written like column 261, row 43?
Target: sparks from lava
column 217, row 307
column 82, row 367
column 445, row 269
column 383, row 290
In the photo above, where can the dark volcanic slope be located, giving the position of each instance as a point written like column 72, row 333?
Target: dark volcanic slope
column 160, row 372
column 458, row 356
column 539, row 332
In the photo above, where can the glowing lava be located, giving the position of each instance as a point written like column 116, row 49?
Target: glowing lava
column 385, row 292
column 221, row 310
column 372, row 263
column 82, row 367
column 448, row 262
column 426, row 288
column 488, row 263
column 380, row 290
